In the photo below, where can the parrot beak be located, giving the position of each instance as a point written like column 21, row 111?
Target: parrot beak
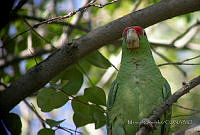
column 132, row 39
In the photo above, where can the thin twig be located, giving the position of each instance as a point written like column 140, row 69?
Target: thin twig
column 36, row 113
column 195, row 111
column 59, row 127
column 16, row 59
column 137, row 5
column 102, row 5
column 168, row 103
column 19, row 5
column 35, row 59
column 182, row 62
column 84, row 72
column 76, row 20
column 185, row 115
column 190, row 38
column 64, row 128
column 42, row 120
column 40, row 19
column 114, row 66
column 48, row 42
column 189, row 46
column 186, row 31
column 186, row 108
column 191, row 58
column 169, row 61
column 178, row 63
column 76, row 99
column 70, row 14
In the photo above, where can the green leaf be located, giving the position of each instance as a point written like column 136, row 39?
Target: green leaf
column 85, row 113
column 85, row 65
column 53, row 31
column 81, row 119
column 21, row 44
column 78, row 33
column 13, row 123
column 75, row 80
column 188, row 17
column 80, row 105
column 46, row 131
column 53, row 123
column 96, row 95
column 23, row 11
column 154, row 1
column 56, row 86
column 37, row 41
column 113, row 7
column 98, row 117
column 98, row 60
column 10, row 45
column 32, row 62
column 82, row 115
column 49, row 99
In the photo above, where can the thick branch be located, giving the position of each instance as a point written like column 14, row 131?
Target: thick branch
column 172, row 99
column 42, row 73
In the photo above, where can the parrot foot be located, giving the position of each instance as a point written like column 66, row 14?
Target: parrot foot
column 147, row 123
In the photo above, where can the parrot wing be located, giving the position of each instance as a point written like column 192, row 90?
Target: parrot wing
column 112, row 94
column 165, row 128
column 110, row 102
column 112, row 129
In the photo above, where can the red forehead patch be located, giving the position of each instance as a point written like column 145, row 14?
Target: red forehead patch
column 138, row 29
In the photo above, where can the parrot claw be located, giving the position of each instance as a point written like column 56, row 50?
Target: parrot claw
column 147, row 123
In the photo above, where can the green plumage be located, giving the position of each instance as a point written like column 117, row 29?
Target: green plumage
column 137, row 90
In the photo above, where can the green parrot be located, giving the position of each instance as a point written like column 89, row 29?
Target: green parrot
column 138, row 89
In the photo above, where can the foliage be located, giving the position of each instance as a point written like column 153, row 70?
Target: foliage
column 13, row 123
column 84, row 85
column 49, row 99
column 46, row 131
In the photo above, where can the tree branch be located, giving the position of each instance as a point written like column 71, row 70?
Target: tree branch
column 19, row 5
column 70, row 14
column 12, row 59
column 169, row 61
column 189, row 46
column 181, row 62
column 70, row 53
column 186, row 31
column 40, row 19
column 187, row 87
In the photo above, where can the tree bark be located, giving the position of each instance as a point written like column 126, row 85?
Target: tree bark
column 42, row 73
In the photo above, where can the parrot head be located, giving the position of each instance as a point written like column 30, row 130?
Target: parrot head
column 132, row 36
